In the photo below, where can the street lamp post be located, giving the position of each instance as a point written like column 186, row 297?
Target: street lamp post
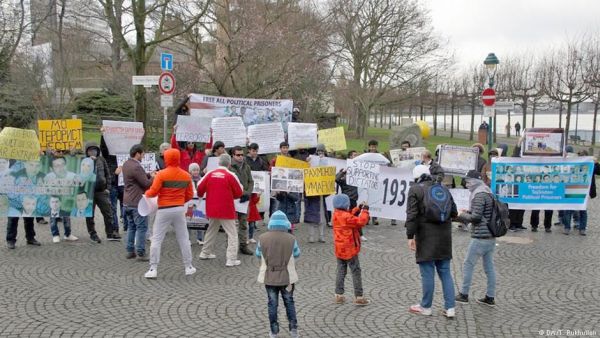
column 490, row 62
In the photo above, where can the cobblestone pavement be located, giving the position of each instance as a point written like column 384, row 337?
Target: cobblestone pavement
column 81, row 289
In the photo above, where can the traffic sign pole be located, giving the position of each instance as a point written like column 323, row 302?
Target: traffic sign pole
column 488, row 98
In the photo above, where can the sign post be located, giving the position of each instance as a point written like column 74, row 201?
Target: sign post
column 488, row 98
column 166, row 85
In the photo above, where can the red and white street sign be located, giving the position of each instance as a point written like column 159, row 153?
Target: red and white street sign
column 488, row 97
column 166, row 83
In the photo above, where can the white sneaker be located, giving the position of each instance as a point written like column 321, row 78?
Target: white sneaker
column 450, row 313
column 190, row 270
column 71, row 238
column 55, row 239
column 233, row 262
column 200, row 242
column 152, row 273
column 420, row 310
column 251, row 240
column 363, row 238
column 205, row 256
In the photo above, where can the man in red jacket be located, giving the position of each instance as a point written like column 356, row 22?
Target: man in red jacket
column 221, row 187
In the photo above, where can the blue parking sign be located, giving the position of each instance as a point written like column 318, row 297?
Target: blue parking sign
column 166, row 62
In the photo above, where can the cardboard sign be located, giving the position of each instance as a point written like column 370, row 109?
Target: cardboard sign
column 288, row 162
column 148, row 163
column 302, row 135
column 120, row 136
column 319, row 181
column 363, row 174
column 333, row 138
column 458, row 160
column 61, row 134
column 19, row 144
column 461, row 198
column 262, row 180
column 287, row 179
column 407, row 158
column 193, row 128
column 229, row 130
column 268, row 136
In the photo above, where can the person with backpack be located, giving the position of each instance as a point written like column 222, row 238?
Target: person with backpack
column 429, row 210
column 483, row 242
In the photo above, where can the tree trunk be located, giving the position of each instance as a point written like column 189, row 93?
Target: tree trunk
column 458, row 121
column 596, row 104
column 435, row 115
column 568, row 122
column 381, row 113
column 445, row 117
column 524, row 108
column 508, row 124
column 391, row 114
column 421, row 112
column 452, row 120
column 471, row 134
column 533, row 115
column 560, row 110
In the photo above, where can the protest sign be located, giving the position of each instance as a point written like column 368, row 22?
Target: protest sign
column 389, row 200
column 363, row 174
column 288, row 162
column 458, row 160
column 19, row 144
column 252, row 111
column 195, row 213
column 148, row 163
column 193, row 128
column 319, row 181
column 61, row 134
column 287, row 179
column 302, row 135
column 461, row 198
column 263, row 189
column 268, row 136
column 120, row 136
column 407, row 158
column 543, row 142
column 61, row 186
column 543, row 183
column 337, row 163
column 212, row 163
column 333, row 138
column 230, row 131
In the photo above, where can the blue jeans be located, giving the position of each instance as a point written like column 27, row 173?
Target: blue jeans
column 273, row 303
column 251, row 229
column 136, row 230
column 428, row 282
column 54, row 226
column 580, row 216
column 480, row 248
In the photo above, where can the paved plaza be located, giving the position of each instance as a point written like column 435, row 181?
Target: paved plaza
column 546, row 283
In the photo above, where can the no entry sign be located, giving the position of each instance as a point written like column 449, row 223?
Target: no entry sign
column 488, row 97
column 166, row 83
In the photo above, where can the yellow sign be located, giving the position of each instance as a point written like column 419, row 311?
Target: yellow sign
column 19, row 144
column 288, row 162
column 61, row 134
column 319, row 181
column 333, row 138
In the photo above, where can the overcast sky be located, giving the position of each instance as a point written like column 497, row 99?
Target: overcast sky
column 477, row 27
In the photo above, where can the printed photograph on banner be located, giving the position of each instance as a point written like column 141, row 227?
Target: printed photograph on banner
column 543, row 142
column 60, row 134
column 268, row 136
column 302, row 135
column 334, row 139
column 262, row 188
column 229, row 130
column 458, row 160
column 19, row 144
column 120, row 136
column 287, row 179
column 193, row 128
column 407, row 158
column 542, row 182
column 252, row 111
column 52, row 186
column 319, row 181
column 195, row 212
column 362, row 174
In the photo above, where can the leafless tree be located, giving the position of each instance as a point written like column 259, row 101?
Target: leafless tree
column 523, row 81
column 473, row 82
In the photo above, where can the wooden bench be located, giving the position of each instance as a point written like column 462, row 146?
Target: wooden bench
column 576, row 139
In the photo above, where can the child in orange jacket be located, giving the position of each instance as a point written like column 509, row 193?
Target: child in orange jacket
column 346, row 238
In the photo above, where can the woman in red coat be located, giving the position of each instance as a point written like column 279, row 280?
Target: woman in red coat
column 253, row 216
column 191, row 153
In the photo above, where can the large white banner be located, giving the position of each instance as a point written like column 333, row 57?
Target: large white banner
column 268, row 136
column 302, row 135
column 543, row 183
column 230, row 131
column 193, row 128
column 120, row 136
column 252, row 111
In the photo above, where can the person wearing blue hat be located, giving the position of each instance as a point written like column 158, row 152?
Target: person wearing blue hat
column 277, row 250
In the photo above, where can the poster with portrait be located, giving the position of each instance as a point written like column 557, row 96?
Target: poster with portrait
column 287, row 179
column 458, row 160
column 543, row 142
column 47, row 187
column 195, row 213
column 407, row 158
column 543, row 182
column 263, row 189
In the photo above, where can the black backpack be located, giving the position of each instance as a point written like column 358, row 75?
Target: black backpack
column 500, row 222
column 438, row 203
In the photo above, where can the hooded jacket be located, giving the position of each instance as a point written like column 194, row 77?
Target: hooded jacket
column 172, row 185
column 111, row 160
column 481, row 206
column 277, row 250
column 221, row 187
column 346, row 236
column 434, row 239
column 103, row 174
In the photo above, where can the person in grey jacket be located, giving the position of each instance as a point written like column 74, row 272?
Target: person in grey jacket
column 483, row 243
